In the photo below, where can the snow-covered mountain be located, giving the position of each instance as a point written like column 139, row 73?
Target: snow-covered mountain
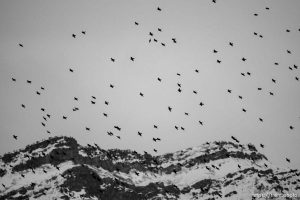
column 60, row 168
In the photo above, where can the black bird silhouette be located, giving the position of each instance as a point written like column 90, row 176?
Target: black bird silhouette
column 297, row 78
column 48, row 132
column 186, row 113
column 112, row 86
column 87, row 128
column 288, row 51
column 240, row 97
column 158, row 8
column 271, row 93
column 118, row 128
column 112, row 59
column 71, row 70
column 136, row 23
column 182, row 128
column 43, row 123
column 132, row 58
column 169, row 108
column 244, row 59
column 248, row 73
column 260, row 119
column 155, row 126
column 105, row 115
column 93, row 97
column 83, row 32
column 106, row 102
column 267, row 8
column 42, row 88
column 176, row 127
column 273, row 80
column 45, row 118
column 119, row 137
column 28, row 81
column 260, row 36
column 73, row 35
column 276, row 63
column 255, row 14
column 201, row 104
column 155, row 40
column 295, row 66
column 218, row 61
column 163, row 44
column 243, row 74
column 149, row 40
column 141, row 94
column 239, row 166
column 291, row 127
column 179, row 85
column 287, row 30
column 174, row 40
column 255, row 33
column 229, row 91
column 290, row 68
column 196, row 70
column 136, row 173
column 154, row 150
column 194, row 91
column 23, row 106
column 64, row 117
column 93, row 102
column 200, row 122
column 244, row 110
column 110, row 133
column 159, row 79
column 259, row 88
column 214, row 1
column 139, row 133
column 179, row 90
column 21, row 45
column 150, row 33
column 75, row 98
column 13, row 79
column 288, row 160
column 159, row 29
column 38, row 93
column 215, row 51
column 262, row 146
column 231, row 44
column 48, row 115
column 15, row 137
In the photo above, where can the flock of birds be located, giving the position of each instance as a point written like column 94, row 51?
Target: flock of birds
column 47, row 116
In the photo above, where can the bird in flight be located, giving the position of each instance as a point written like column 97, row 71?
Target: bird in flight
column 136, row 23
column 112, row 59
column 141, row 94
column 158, row 8
column 169, row 108
column 174, row 40
column 21, row 45
column 71, row 70
column 73, row 35
column 28, row 81
column 132, row 58
column 15, row 137
column 159, row 29
column 139, row 133
column 83, row 32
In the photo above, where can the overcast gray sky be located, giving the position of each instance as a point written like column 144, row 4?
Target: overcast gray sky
column 45, row 29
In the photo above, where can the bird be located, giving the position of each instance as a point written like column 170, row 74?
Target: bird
column 179, row 85
column 288, row 51
column 248, row 73
column 174, row 40
column 262, row 146
column 154, row 150
column 240, row 97
column 259, row 88
column 194, row 91
column 182, row 128
column 287, row 30
column 105, row 115
column 93, row 97
column 297, row 78
column 215, row 51
column 255, row 14
column 159, row 79
column 276, row 63
column 87, row 128
column 214, row 1
column 288, row 160
column 273, row 80
column 260, row 36
column 93, row 102
column 28, row 81
column 169, row 108
column 267, row 8
column 271, row 93
column 112, row 86
column 110, row 133
column 48, row 115
column 13, row 79
column 155, row 126
column 43, row 123
column 186, row 113
column 231, row 44
column 21, row 45
column 132, row 59
column 260, row 119
column 45, row 118
column 201, row 104
column 196, row 70
column 229, row 91
column 255, row 33
column 159, row 29
column 119, row 137
column 73, row 35
column 244, row 110
column 23, row 106
column 244, row 59
column 291, row 127
column 136, row 23
column 71, row 70
column 218, row 61
column 243, row 74
column 15, row 137
column 150, row 33
column 295, row 66
column 200, row 122
column 38, row 93
column 83, row 32
column 118, row 128
column 155, row 40
column 176, row 127
column 163, row 44
column 112, row 59
column 64, row 117
column 179, row 90
column 139, row 133
column 75, row 98
column 141, row 94
column 42, row 88
column 158, row 8
column 239, row 166
column 106, row 102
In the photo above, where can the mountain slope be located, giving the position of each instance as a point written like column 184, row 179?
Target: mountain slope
column 60, row 168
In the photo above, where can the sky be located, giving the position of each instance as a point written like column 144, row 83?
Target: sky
column 45, row 29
